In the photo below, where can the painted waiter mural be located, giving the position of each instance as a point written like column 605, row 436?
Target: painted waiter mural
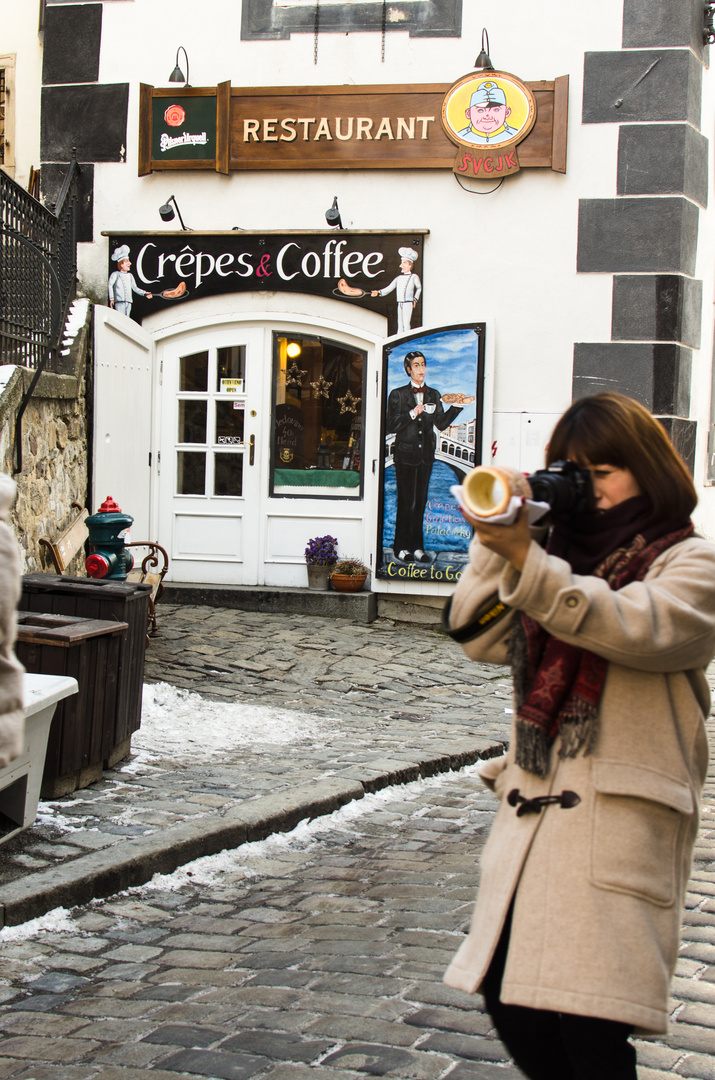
column 432, row 438
column 413, row 412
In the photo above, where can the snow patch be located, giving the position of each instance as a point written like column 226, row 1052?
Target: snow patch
column 185, row 725
column 56, row 921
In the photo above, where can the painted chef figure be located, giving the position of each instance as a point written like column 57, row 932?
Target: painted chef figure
column 407, row 286
column 121, row 283
column 487, row 115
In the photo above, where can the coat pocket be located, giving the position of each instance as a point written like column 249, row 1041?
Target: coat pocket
column 639, row 820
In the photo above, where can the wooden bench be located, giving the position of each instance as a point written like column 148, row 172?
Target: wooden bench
column 150, row 571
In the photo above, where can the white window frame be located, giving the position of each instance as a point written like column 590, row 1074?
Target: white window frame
column 7, row 62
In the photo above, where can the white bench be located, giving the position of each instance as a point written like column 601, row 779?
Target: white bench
column 20, row 781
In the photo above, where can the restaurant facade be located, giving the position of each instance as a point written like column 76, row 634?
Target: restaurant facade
column 328, row 191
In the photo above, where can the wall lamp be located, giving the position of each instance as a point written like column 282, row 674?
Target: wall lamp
column 177, row 74
column 332, row 216
column 483, row 62
column 167, row 214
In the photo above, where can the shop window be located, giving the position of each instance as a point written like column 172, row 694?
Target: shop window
column 191, row 473
column 194, row 373
column 231, row 369
column 228, row 474
column 7, row 114
column 270, row 19
column 317, row 428
column 2, row 116
column 192, row 422
column 210, row 414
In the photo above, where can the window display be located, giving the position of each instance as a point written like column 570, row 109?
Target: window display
column 317, row 418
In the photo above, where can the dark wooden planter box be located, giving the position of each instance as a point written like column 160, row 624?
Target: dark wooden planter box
column 102, row 645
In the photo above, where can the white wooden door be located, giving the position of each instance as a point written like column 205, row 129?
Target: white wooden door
column 214, row 422
column 123, row 461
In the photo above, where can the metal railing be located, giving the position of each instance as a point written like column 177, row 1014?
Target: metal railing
column 38, row 277
column 38, row 268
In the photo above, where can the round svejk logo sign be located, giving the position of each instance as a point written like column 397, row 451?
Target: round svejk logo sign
column 488, row 108
column 174, row 116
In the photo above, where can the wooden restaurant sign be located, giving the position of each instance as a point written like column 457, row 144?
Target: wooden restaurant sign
column 329, row 127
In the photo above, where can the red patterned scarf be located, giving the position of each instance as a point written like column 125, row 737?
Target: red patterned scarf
column 558, row 687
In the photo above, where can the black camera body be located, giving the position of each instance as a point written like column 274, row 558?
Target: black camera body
column 566, row 488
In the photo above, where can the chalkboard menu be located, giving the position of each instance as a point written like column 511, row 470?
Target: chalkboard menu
column 184, row 128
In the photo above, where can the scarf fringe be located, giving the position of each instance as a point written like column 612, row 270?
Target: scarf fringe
column 533, row 748
column 579, row 729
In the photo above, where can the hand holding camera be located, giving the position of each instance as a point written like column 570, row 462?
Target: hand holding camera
column 501, row 503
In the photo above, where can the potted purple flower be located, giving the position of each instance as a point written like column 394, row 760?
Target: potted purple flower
column 321, row 554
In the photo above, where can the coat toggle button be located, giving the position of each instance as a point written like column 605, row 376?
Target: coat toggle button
column 566, row 800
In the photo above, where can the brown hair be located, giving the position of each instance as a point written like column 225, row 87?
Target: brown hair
column 612, row 429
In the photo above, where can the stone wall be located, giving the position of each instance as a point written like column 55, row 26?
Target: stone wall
column 55, row 435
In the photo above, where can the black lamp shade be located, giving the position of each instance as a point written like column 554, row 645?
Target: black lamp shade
column 166, row 212
column 177, row 75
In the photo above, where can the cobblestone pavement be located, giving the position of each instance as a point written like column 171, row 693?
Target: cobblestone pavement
column 389, row 694
column 325, row 947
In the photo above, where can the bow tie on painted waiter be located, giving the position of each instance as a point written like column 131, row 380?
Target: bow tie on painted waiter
column 418, row 389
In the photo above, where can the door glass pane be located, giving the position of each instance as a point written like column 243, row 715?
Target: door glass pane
column 194, row 372
column 229, row 422
column 191, row 473
column 228, row 474
column 231, row 369
column 192, row 422
column 317, row 419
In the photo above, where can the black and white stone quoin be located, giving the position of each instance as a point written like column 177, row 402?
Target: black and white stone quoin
column 646, row 236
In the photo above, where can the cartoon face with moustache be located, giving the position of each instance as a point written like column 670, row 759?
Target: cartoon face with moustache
column 487, row 114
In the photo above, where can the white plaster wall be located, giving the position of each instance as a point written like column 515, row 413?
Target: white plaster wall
column 701, row 401
column 19, row 35
column 510, row 255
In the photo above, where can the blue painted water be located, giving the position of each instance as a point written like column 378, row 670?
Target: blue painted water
column 444, row 527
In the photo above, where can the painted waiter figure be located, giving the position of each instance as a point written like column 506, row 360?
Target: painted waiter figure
column 121, row 283
column 413, row 413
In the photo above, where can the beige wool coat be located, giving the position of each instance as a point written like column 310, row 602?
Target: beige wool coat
column 598, row 888
column 11, row 714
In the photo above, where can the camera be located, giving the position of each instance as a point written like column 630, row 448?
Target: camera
column 566, row 488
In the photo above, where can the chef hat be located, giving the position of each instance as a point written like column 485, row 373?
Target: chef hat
column 407, row 253
column 121, row 253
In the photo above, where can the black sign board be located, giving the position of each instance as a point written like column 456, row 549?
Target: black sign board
column 184, row 127
column 348, row 266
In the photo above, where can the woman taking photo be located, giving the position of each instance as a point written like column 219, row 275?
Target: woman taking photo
column 608, row 621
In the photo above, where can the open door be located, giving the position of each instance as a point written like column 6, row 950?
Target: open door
column 123, row 460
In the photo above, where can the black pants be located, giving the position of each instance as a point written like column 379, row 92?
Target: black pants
column 557, row 1046
column 412, row 489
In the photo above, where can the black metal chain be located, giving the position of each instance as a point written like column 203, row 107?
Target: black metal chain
column 384, row 30
column 316, row 31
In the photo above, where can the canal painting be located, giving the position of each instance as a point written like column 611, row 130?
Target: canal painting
column 432, row 436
